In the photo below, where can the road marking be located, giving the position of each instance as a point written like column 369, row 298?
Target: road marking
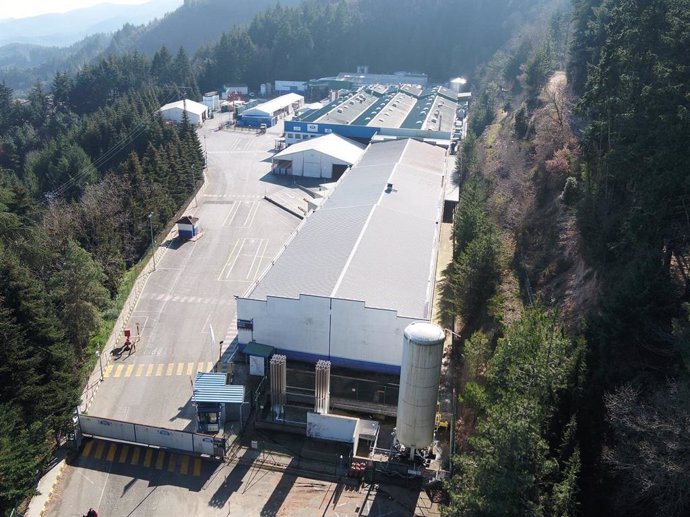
column 147, row 458
column 232, row 252
column 159, row 370
column 87, row 448
column 160, row 459
column 184, row 465
column 108, row 370
column 197, row 467
column 260, row 256
column 190, row 368
column 180, row 367
column 169, row 371
column 135, row 456
column 253, row 209
column 99, row 450
column 237, row 257
column 140, row 369
column 118, row 370
column 149, row 370
column 123, row 454
column 111, row 452
column 129, row 371
column 233, row 211
column 209, row 366
column 171, row 463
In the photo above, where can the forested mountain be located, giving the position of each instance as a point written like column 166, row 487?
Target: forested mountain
column 195, row 23
column 570, row 277
column 64, row 29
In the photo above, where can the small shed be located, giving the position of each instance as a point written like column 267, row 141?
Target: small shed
column 188, row 227
column 217, row 402
column 174, row 112
column 257, row 357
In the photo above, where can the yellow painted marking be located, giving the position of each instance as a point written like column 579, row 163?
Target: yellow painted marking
column 190, row 368
column 118, row 370
column 209, row 366
column 169, row 371
column 99, row 450
column 160, row 459
column 123, row 454
column 87, row 449
column 129, row 370
column 159, row 370
column 200, row 367
column 111, row 452
column 149, row 370
column 197, row 467
column 140, row 369
column 108, row 370
column 184, row 465
column 147, row 457
column 135, row 456
column 171, row 463
column 180, row 369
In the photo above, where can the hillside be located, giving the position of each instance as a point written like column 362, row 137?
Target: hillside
column 192, row 25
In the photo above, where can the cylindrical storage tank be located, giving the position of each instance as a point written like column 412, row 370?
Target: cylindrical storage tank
column 420, row 375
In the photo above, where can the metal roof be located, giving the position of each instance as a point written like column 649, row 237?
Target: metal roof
column 332, row 145
column 212, row 387
column 270, row 107
column 367, row 243
column 188, row 105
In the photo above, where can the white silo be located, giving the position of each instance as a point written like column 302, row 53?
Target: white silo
column 420, row 375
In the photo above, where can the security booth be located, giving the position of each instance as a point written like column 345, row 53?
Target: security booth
column 257, row 357
column 188, row 227
column 217, row 402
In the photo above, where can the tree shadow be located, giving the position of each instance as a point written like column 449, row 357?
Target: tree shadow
column 233, row 482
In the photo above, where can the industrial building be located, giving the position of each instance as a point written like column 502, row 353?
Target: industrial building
column 360, row 268
column 326, row 156
column 380, row 112
column 270, row 112
column 362, row 77
column 174, row 111
column 285, row 87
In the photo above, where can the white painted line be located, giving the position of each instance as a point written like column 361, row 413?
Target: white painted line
column 239, row 252
column 203, row 327
column 261, row 259
column 233, row 213
column 253, row 209
column 258, row 249
column 220, row 276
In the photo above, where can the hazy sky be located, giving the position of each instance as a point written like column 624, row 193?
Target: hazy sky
column 24, row 9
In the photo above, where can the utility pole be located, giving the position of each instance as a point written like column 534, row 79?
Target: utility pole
column 100, row 361
column 153, row 247
column 205, row 153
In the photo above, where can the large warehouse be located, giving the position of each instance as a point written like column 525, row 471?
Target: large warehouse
column 380, row 112
column 360, row 268
column 271, row 111
column 174, row 111
column 323, row 157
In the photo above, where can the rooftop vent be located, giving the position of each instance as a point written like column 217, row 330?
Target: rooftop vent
column 389, row 188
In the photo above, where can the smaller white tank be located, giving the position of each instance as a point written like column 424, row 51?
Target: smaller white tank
column 420, row 375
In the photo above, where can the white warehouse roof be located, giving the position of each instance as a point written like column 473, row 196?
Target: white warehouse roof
column 367, row 242
column 269, row 108
column 338, row 147
column 188, row 105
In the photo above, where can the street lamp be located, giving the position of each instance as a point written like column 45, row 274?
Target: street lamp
column 100, row 361
column 220, row 353
column 153, row 247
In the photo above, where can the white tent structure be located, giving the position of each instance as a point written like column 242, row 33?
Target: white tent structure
column 323, row 157
column 196, row 112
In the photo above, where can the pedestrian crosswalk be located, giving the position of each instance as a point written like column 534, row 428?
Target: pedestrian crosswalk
column 156, row 369
column 187, row 299
column 137, row 455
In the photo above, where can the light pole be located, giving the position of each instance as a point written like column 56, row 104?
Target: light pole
column 153, row 247
column 205, row 153
column 220, row 353
column 100, row 361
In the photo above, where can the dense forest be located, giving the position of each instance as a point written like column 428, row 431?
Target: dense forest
column 81, row 169
column 573, row 297
column 570, row 282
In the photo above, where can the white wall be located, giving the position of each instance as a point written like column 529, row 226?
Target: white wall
column 325, row 327
column 314, row 164
column 332, row 427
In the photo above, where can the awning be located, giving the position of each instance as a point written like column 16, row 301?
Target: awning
column 258, row 349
